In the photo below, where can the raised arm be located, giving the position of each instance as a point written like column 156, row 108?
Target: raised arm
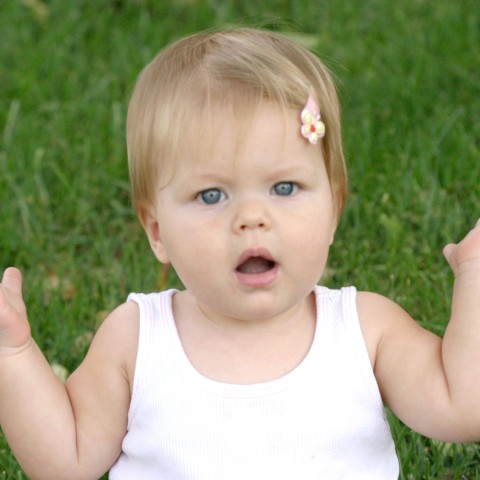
column 432, row 385
column 71, row 431
column 461, row 343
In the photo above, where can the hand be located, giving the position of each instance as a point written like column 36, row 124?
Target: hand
column 14, row 327
column 465, row 255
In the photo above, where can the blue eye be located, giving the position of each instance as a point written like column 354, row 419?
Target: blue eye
column 211, row 196
column 285, row 188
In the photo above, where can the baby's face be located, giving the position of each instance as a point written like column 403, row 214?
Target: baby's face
column 248, row 225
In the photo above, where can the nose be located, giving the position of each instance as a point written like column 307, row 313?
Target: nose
column 250, row 215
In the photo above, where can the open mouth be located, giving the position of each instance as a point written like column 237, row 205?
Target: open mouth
column 256, row 265
column 257, row 268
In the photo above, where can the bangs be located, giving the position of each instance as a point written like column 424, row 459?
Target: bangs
column 194, row 124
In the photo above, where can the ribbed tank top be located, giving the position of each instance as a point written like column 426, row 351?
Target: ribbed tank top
column 324, row 420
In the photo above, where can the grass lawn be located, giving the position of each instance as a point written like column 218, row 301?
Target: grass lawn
column 409, row 82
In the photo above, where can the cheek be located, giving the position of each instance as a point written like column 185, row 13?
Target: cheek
column 195, row 257
column 315, row 238
column 312, row 258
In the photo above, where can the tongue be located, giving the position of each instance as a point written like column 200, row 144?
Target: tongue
column 255, row 265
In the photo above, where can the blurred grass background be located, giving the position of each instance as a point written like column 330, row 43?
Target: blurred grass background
column 409, row 80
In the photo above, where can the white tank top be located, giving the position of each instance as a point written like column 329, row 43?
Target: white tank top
column 324, row 420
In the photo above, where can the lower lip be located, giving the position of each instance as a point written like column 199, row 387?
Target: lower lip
column 258, row 280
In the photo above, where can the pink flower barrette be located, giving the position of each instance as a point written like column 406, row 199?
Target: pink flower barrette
column 312, row 126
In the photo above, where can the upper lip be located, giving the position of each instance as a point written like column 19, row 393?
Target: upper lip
column 254, row 252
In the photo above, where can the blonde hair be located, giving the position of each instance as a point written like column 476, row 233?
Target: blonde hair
column 240, row 68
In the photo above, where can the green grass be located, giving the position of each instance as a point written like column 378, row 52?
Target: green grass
column 410, row 88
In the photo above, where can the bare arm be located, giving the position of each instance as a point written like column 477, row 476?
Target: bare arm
column 433, row 385
column 71, row 431
column 461, row 344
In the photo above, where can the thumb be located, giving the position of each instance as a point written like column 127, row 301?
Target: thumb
column 12, row 280
column 449, row 254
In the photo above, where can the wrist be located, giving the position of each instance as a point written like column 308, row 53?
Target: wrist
column 7, row 351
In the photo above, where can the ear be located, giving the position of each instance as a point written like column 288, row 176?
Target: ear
column 149, row 221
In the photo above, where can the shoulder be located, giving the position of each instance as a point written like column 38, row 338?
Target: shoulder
column 118, row 336
column 381, row 320
column 381, row 317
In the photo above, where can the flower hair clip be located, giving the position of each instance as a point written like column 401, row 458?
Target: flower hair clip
column 312, row 127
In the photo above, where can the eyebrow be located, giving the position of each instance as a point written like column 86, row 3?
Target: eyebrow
column 292, row 170
column 214, row 177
